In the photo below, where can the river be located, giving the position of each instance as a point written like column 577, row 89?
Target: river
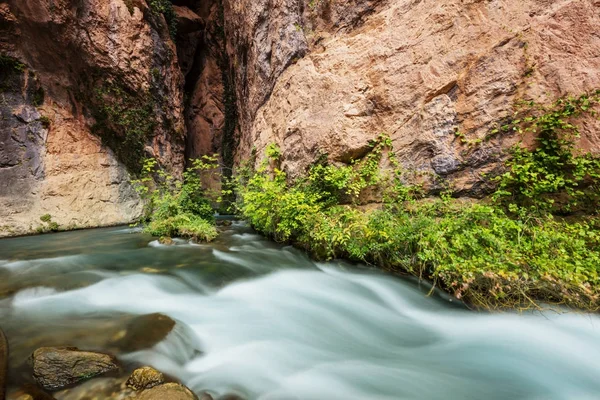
column 264, row 321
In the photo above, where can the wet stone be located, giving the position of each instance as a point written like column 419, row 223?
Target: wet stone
column 143, row 332
column 171, row 391
column 57, row 367
column 145, row 378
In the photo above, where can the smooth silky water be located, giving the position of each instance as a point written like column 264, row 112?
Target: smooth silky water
column 266, row 322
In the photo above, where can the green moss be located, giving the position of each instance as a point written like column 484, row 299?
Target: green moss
column 125, row 121
column 8, row 63
column 165, row 7
column 130, row 6
column 38, row 97
column 46, row 218
column 45, row 121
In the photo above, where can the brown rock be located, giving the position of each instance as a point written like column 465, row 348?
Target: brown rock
column 143, row 332
column 55, row 368
column 418, row 71
column 187, row 20
column 171, row 391
column 145, row 378
column 70, row 52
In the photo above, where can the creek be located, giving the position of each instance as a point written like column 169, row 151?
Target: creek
column 266, row 322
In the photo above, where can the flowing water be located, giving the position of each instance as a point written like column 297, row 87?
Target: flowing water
column 264, row 321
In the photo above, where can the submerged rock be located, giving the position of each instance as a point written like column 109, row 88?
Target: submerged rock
column 166, row 241
column 55, row 368
column 145, row 378
column 143, row 332
column 170, row 391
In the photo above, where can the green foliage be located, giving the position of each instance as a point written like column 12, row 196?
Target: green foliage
column 183, row 225
column 48, row 225
column 8, row 63
column 165, row 7
column 130, row 6
column 124, row 122
column 38, row 97
column 552, row 177
column 45, row 121
column 273, row 152
column 177, row 207
column 481, row 253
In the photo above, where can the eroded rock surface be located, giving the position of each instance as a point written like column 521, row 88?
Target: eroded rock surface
column 68, row 142
column 422, row 72
column 145, row 378
column 55, row 368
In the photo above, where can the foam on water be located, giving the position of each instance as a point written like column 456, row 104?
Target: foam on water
column 267, row 323
column 314, row 335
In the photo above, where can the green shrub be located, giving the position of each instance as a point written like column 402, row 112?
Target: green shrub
column 177, row 207
column 490, row 256
column 183, row 225
column 552, row 177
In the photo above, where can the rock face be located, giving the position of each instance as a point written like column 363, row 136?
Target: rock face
column 420, row 71
column 100, row 84
column 55, row 368
column 96, row 88
column 145, row 378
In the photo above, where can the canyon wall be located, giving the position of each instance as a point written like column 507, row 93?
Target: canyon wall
column 90, row 87
column 436, row 76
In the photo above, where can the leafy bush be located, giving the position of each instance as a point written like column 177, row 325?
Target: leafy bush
column 177, row 207
column 482, row 253
column 552, row 177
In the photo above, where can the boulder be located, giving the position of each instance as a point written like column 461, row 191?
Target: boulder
column 170, row 391
column 143, row 332
column 145, row 378
column 57, row 367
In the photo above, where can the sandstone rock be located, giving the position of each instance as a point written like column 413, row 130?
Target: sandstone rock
column 420, row 72
column 171, row 391
column 55, row 368
column 70, row 55
column 145, row 378
column 187, row 20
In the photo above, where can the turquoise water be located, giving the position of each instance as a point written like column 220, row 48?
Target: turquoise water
column 264, row 321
